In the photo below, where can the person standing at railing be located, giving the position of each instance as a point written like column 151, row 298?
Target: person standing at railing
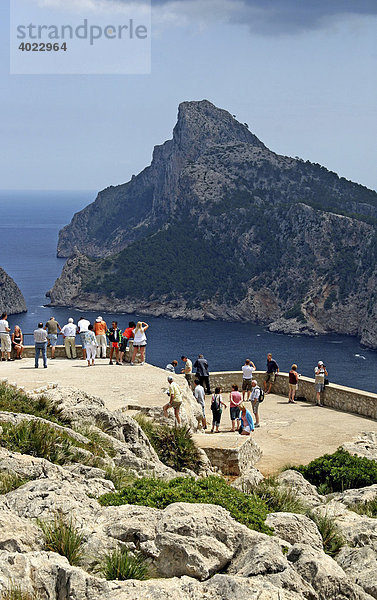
column 5, row 337
column 52, row 327
column 100, row 328
column 69, row 335
column 40, row 343
column 83, row 327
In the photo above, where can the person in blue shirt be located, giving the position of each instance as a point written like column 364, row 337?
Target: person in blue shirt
column 247, row 423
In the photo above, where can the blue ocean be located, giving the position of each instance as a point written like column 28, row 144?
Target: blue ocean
column 29, row 226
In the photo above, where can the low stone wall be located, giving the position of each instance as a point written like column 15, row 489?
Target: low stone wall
column 234, row 461
column 29, row 352
column 335, row 396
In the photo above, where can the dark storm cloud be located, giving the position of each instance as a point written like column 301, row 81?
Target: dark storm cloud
column 276, row 16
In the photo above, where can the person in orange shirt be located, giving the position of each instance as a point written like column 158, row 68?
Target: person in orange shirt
column 100, row 329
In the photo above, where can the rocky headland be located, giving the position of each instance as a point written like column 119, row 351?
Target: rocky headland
column 221, row 227
column 11, row 298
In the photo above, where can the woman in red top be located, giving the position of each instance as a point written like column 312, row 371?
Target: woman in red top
column 235, row 402
column 293, row 381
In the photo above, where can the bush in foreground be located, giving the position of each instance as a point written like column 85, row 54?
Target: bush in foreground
column 121, row 564
column 279, row 498
column 249, row 510
column 340, row 471
column 120, row 477
column 366, row 508
column 63, row 537
column 15, row 592
column 37, row 439
column 13, row 400
column 174, row 445
column 10, row 481
column 332, row 540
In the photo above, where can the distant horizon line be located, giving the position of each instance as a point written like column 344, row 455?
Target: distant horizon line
column 48, row 190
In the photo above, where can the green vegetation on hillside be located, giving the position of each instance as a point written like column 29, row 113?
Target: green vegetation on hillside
column 175, row 261
column 340, row 471
column 249, row 510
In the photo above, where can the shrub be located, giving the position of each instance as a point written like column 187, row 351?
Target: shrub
column 37, row 439
column 340, row 471
column 63, row 537
column 10, row 481
column 279, row 498
column 15, row 592
column 98, row 444
column 121, row 564
column 366, row 508
column 13, row 400
column 332, row 540
column 249, row 510
column 174, row 445
column 120, row 477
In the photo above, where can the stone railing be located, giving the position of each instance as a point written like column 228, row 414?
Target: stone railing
column 335, row 396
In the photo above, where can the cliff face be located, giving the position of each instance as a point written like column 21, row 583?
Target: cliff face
column 11, row 298
column 219, row 226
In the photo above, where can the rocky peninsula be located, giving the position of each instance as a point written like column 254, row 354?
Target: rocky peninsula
column 221, row 227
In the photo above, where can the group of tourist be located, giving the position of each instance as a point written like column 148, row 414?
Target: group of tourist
column 243, row 420
column 94, row 337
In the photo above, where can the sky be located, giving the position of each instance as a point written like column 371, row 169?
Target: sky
column 301, row 73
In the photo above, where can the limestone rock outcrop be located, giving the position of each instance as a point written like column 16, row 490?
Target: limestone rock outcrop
column 300, row 241
column 11, row 298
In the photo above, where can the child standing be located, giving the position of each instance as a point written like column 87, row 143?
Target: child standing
column 216, row 407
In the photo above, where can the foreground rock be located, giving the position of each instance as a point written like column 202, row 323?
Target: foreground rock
column 11, row 298
column 365, row 445
column 305, row 491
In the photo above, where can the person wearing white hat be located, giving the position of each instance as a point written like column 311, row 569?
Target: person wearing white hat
column 69, row 336
column 320, row 373
column 100, row 329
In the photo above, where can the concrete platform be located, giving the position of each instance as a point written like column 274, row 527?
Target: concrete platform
column 289, row 433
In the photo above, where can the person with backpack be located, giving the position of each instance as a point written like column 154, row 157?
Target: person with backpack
column 216, row 404
column 257, row 396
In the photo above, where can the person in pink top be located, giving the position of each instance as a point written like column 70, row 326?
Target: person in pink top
column 235, row 402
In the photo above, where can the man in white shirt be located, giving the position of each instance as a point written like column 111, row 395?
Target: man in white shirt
column 187, row 370
column 69, row 336
column 255, row 397
column 200, row 398
column 320, row 373
column 40, row 344
column 83, row 325
column 247, row 375
column 5, row 337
